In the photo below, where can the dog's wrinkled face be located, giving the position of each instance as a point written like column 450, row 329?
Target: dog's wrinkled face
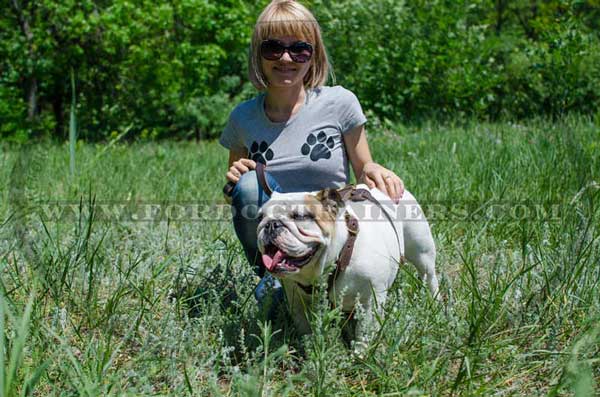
column 296, row 229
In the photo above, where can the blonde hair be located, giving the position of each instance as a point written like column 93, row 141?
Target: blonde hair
column 288, row 18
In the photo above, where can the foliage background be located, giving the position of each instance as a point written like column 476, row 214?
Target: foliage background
column 176, row 68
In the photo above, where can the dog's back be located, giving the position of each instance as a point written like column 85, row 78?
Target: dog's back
column 383, row 243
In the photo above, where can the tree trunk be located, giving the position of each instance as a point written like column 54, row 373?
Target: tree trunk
column 32, row 89
column 500, row 8
column 32, row 83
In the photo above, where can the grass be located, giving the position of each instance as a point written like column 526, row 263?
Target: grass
column 96, row 306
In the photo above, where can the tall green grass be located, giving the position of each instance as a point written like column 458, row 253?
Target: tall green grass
column 72, row 126
column 96, row 307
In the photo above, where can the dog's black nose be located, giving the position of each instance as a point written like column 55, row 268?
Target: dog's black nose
column 273, row 226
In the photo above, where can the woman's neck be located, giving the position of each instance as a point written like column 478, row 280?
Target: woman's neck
column 281, row 104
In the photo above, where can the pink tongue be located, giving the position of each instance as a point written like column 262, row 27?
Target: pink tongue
column 271, row 263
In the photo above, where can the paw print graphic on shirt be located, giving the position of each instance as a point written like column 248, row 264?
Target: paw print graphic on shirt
column 260, row 152
column 318, row 147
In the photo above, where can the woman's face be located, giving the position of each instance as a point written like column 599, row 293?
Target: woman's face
column 284, row 72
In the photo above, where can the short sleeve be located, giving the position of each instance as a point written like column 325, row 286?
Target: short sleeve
column 351, row 112
column 231, row 137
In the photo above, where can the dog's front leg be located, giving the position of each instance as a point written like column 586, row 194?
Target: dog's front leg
column 299, row 305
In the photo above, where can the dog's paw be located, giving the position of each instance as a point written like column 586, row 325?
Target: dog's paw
column 318, row 147
column 260, row 152
column 359, row 349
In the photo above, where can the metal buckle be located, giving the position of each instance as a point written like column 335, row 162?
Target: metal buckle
column 351, row 224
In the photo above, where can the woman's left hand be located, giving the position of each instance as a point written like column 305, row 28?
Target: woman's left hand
column 374, row 175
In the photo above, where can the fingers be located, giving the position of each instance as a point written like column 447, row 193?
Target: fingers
column 368, row 181
column 250, row 164
column 395, row 187
column 380, row 183
column 241, row 167
column 377, row 176
column 392, row 188
column 238, row 168
column 233, row 176
column 385, row 180
column 400, row 187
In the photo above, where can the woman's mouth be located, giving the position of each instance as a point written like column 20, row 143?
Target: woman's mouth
column 284, row 70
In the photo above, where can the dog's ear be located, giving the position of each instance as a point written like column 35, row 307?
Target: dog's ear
column 330, row 199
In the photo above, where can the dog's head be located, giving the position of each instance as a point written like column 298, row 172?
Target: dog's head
column 300, row 233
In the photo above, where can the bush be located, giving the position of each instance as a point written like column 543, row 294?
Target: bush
column 410, row 60
column 177, row 69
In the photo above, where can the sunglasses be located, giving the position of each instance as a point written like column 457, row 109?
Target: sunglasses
column 272, row 50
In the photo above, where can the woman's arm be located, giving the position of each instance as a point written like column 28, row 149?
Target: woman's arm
column 367, row 171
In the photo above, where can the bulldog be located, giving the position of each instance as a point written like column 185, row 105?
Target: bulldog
column 303, row 235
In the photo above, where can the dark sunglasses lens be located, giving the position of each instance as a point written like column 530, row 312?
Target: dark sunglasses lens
column 271, row 50
column 301, row 52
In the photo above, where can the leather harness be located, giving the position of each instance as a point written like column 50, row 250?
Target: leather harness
column 352, row 193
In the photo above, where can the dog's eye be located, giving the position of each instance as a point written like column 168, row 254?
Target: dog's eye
column 302, row 216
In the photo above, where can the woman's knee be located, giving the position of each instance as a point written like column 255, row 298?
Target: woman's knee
column 248, row 195
column 246, row 190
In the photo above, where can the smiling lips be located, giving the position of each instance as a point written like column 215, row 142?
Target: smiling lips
column 284, row 70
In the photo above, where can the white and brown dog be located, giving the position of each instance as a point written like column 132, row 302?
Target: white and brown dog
column 301, row 235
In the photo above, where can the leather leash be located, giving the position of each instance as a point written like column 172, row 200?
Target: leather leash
column 262, row 181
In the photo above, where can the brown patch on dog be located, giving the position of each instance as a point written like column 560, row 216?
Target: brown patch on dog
column 330, row 198
column 324, row 206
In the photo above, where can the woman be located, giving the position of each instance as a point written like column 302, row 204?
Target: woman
column 302, row 130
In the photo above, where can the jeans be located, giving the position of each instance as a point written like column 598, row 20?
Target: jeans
column 246, row 199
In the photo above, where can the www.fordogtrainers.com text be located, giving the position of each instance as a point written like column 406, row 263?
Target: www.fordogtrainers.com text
column 57, row 211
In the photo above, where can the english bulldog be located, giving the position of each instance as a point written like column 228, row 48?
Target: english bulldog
column 302, row 235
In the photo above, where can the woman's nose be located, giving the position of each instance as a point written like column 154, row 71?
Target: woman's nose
column 286, row 56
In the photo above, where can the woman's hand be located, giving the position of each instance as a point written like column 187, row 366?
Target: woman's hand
column 238, row 168
column 374, row 175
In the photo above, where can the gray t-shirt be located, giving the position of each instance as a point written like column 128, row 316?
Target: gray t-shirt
column 307, row 151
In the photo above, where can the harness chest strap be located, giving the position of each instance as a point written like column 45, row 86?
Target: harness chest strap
column 344, row 259
column 346, row 253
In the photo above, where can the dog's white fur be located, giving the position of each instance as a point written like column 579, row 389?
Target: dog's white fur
column 375, row 258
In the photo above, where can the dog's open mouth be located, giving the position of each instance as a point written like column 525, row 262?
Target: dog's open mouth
column 276, row 260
